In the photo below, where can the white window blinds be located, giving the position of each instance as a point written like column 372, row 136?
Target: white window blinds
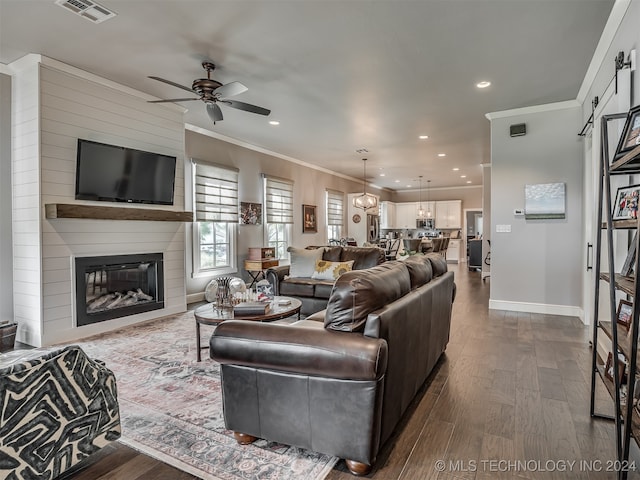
column 335, row 208
column 216, row 193
column 279, row 200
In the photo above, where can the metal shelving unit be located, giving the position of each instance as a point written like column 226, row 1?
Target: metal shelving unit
column 627, row 419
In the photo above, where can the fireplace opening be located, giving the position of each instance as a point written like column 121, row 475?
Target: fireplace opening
column 115, row 286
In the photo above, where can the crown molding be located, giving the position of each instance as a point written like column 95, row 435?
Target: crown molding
column 5, row 69
column 618, row 11
column 255, row 148
column 32, row 59
column 547, row 107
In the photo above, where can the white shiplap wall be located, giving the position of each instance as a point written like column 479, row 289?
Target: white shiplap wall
column 73, row 107
column 25, row 171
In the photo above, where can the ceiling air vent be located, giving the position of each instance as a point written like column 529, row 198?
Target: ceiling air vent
column 92, row 11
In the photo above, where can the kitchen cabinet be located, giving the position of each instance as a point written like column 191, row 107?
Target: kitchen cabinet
column 453, row 250
column 387, row 215
column 449, row 214
column 406, row 214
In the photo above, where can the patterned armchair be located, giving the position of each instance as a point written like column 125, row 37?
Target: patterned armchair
column 57, row 407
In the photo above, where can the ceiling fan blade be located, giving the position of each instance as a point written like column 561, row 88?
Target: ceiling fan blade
column 169, row 82
column 247, row 107
column 214, row 112
column 231, row 89
column 173, row 100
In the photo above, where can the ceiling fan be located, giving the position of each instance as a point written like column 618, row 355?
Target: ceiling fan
column 213, row 92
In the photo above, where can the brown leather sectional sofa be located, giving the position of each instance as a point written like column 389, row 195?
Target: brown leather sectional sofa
column 340, row 381
column 314, row 294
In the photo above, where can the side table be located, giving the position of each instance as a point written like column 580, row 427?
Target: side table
column 256, row 268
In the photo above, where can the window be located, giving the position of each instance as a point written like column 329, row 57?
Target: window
column 216, row 206
column 335, row 214
column 279, row 211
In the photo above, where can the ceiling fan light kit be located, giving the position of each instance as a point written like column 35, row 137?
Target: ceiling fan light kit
column 212, row 92
column 366, row 200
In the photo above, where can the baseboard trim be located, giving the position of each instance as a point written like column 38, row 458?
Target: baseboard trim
column 195, row 297
column 544, row 308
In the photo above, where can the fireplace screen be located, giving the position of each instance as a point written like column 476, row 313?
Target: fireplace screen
column 115, row 286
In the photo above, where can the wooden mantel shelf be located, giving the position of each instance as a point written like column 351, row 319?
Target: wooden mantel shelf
column 95, row 212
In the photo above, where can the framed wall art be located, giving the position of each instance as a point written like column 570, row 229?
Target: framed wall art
column 544, row 201
column 309, row 219
column 630, row 137
column 626, row 204
column 250, row 213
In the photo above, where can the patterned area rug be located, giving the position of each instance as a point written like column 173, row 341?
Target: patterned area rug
column 171, row 406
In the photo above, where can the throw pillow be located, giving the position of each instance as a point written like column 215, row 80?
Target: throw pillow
column 303, row 262
column 325, row 270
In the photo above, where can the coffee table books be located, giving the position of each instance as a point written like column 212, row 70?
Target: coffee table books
column 244, row 309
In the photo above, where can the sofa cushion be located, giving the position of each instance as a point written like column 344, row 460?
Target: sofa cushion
column 303, row 261
column 332, row 254
column 298, row 287
column 360, row 292
column 325, row 270
column 324, row 289
column 438, row 264
column 363, row 257
column 420, row 270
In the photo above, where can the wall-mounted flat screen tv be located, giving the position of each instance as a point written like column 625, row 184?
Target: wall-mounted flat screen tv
column 117, row 174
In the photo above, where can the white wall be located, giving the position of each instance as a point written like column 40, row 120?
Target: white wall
column 63, row 105
column 6, row 249
column 538, row 266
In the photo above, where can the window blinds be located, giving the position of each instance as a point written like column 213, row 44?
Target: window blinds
column 216, row 193
column 335, row 208
column 279, row 200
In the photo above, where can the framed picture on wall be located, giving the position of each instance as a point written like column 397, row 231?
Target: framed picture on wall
column 626, row 206
column 309, row 219
column 250, row 213
column 630, row 137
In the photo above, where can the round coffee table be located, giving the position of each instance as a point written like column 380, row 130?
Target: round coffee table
column 208, row 315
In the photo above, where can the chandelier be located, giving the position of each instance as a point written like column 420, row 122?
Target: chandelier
column 429, row 214
column 421, row 212
column 366, row 200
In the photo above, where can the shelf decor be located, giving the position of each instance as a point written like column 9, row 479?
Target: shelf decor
column 630, row 137
column 623, row 317
column 627, row 268
column 626, row 206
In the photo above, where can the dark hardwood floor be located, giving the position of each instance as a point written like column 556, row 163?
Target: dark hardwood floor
column 511, row 387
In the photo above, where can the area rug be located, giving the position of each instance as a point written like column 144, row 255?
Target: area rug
column 171, row 406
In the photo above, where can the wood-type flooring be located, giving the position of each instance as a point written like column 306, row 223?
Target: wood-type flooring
column 509, row 399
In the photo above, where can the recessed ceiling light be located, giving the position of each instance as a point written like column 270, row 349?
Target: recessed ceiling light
column 382, row 174
column 423, row 137
column 397, row 181
column 408, row 186
column 468, row 181
column 455, row 169
column 274, row 122
column 442, row 154
column 483, row 84
column 463, row 176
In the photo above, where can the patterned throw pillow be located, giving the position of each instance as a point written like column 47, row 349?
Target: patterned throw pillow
column 326, row 270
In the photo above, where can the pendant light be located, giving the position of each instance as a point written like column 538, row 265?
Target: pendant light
column 429, row 214
column 366, row 200
column 421, row 212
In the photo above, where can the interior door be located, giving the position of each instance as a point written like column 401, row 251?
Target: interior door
column 610, row 102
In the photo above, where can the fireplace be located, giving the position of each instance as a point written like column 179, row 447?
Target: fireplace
column 115, row 286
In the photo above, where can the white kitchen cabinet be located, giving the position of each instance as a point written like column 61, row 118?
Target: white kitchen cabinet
column 449, row 214
column 453, row 250
column 406, row 214
column 387, row 214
